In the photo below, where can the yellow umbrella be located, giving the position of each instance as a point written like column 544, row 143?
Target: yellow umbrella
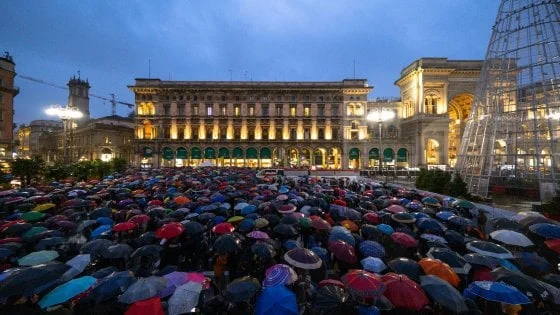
column 235, row 219
column 43, row 207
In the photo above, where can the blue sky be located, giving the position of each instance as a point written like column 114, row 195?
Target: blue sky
column 110, row 42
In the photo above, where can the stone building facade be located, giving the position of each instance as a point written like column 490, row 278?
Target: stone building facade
column 8, row 91
column 29, row 137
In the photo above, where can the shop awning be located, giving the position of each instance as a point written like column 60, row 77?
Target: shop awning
column 354, row 154
column 266, row 153
column 196, row 153
column 167, row 153
column 223, row 153
column 237, row 153
column 374, row 154
column 402, row 155
column 182, row 153
column 388, row 155
column 147, row 152
column 209, row 153
column 252, row 153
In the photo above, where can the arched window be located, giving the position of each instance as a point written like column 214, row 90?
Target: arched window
column 431, row 101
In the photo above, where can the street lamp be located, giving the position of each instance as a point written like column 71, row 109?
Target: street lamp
column 66, row 114
column 380, row 116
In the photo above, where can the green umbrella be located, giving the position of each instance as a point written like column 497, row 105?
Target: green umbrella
column 37, row 258
column 464, row 204
column 33, row 231
column 305, row 222
column 32, row 216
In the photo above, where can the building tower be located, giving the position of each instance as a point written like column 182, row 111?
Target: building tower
column 511, row 138
column 7, row 93
column 78, row 96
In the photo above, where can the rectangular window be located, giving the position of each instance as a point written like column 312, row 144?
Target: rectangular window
column 321, row 98
column 181, row 109
column 307, row 98
column 278, row 110
column 237, row 98
column 223, row 110
column 306, row 134
column 292, row 111
column 236, row 110
column 180, row 97
column 306, row 111
column 321, row 110
column 279, row 134
column 265, row 110
column 195, row 110
column 251, row 98
column 293, row 134
column 166, row 109
column 293, row 98
column 223, row 98
column 334, row 110
column 335, row 134
column 209, row 110
column 251, row 110
column 265, row 98
column 195, row 98
column 279, row 98
column 321, row 134
column 208, row 97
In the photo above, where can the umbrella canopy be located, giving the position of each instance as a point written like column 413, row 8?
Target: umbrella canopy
column 454, row 260
column 118, row 251
column 66, row 291
column 553, row 244
column 25, row 281
column 279, row 274
column 170, row 230
column 362, row 284
column 511, row 238
column 385, row 229
column 174, row 280
column 37, row 258
column 330, row 299
column 444, row 294
column 489, row 249
column 546, row 230
column 343, row 251
column 527, row 285
column 532, row 264
column 242, row 289
column 143, row 289
column 395, row 209
column 320, row 224
column 263, row 250
column 285, row 230
column 506, row 224
column 78, row 264
column 227, row 243
column 124, row 226
column 100, row 230
column 96, row 246
column 147, row 250
column 185, row 298
column 276, row 300
column 372, row 249
column 373, row 264
column 258, row 235
column 407, row 267
column 403, row 292
column 429, row 224
column 223, row 228
column 463, row 204
column 44, row 207
column 404, row 239
column 497, row 292
column 438, row 268
column 303, row 258
column 193, row 228
column 403, row 217
column 111, row 286
column 481, row 260
column 32, row 216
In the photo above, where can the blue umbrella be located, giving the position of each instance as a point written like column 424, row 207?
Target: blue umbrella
column 496, row 291
column 248, row 209
column 66, row 291
column 420, row 215
column 445, row 215
column 246, row 225
column 532, row 264
column 460, row 221
column 111, row 286
column 219, row 219
column 321, row 252
column 430, row 224
column 372, row 249
column 546, row 230
column 348, row 238
column 217, row 198
column 276, row 300
column 100, row 230
column 104, row 221
column 37, row 258
column 385, row 229
column 373, row 264
column 143, row 289
column 291, row 244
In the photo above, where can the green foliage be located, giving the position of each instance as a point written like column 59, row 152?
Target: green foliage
column 58, row 172
column 119, row 165
column 28, row 169
column 434, row 180
column 457, row 187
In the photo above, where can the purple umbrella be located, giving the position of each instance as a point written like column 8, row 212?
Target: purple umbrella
column 125, row 202
column 303, row 258
column 279, row 274
column 174, row 280
column 258, row 235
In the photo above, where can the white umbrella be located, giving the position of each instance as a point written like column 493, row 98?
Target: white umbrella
column 511, row 238
column 185, row 298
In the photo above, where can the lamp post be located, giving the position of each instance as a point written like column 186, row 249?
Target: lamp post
column 66, row 114
column 380, row 116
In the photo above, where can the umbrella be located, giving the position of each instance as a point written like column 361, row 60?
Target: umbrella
column 246, row 225
column 362, row 284
column 66, row 291
column 444, row 294
column 373, row 264
column 527, row 285
column 506, row 224
column 526, row 222
column 433, row 238
column 404, row 239
column 242, row 289
column 193, row 228
column 403, row 292
column 32, row 216
column 100, row 230
column 303, row 258
column 37, row 258
column 223, row 228
column 403, row 217
column 285, row 230
column 279, row 274
column 143, row 289
column 85, row 224
column 32, row 232
column 185, row 298
column 118, row 251
column 78, row 264
column 406, row 266
column 170, row 230
column 454, row 238
column 430, row 224
column 140, row 219
column 511, row 238
column 321, row 224
column 261, row 223
column 438, row 268
column 227, row 243
column 100, row 212
column 263, row 250
column 385, row 229
column 24, row 281
column 111, row 286
column 44, row 207
column 258, row 235
column 532, row 264
column 460, row 221
column 350, row 225
column 546, row 230
column 147, row 250
column 343, row 251
column 553, row 244
column 235, row 219
column 372, row 218
column 497, row 292
column 276, row 300
column 16, row 228
column 454, row 260
column 445, row 215
column 481, row 260
column 124, row 226
column 464, row 204
column 95, row 246
column 489, row 249
column 395, row 209
column 372, row 249
column 174, row 280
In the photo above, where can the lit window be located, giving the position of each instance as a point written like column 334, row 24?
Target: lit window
column 209, row 111
column 279, row 110
column 251, row 110
column 236, row 111
column 195, row 110
column 306, row 111
column 292, row 111
column 223, row 110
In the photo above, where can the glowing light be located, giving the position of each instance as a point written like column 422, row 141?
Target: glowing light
column 64, row 112
column 381, row 115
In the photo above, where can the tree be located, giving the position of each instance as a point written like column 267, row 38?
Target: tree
column 119, row 165
column 27, row 169
column 457, row 187
column 434, row 180
column 99, row 169
column 58, row 172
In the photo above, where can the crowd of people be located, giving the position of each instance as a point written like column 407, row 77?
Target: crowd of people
column 222, row 241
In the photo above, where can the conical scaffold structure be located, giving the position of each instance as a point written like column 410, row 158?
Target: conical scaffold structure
column 511, row 137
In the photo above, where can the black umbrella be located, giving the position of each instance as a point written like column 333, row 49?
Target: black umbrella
column 506, row 224
column 288, row 219
column 242, row 289
column 100, row 212
column 527, row 285
column 444, row 294
column 285, row 230
column 370, row 231
column 205, row 217
column 147, row 250
column 263, row 250
column 552, row 278
column 330, row 299
column 455, row 238
column 111, row 286
column 17, row 229
column 148, row 238
column 29, row 281
column 49, row 242
column 530, row 220
column 96, row 246
column 117, row 251
column 481, row 260
column 272, row 219
column 454, row 260
column 193, row 228
column 226, row 243
column 104, row 272
column 407, row 267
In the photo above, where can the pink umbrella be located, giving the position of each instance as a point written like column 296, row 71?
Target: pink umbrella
column 258, row 235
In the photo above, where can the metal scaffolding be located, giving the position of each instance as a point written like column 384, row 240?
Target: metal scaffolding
column 512, row 134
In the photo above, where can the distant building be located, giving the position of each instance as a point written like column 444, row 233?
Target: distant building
column 29, row 137
column 7, row 93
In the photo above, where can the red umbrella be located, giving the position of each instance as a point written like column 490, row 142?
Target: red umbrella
column 553, row 244
column 124, row 226
column 404, row 239
column 10, row 240
column 170, row 230
column 334, row 282
column 395, row 209
column 343, row 251
column 403, row 292
column 350, row 225
column 321, row 224
column 155, row 202
column 372, row 217
column 140, row 219
column 482, row 274
column 363, row 284
column 340, row 202
column 223, row 228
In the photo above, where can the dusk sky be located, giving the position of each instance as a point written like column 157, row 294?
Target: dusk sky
column 110, row 42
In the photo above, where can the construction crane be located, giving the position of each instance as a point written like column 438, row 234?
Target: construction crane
column 111, row 100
